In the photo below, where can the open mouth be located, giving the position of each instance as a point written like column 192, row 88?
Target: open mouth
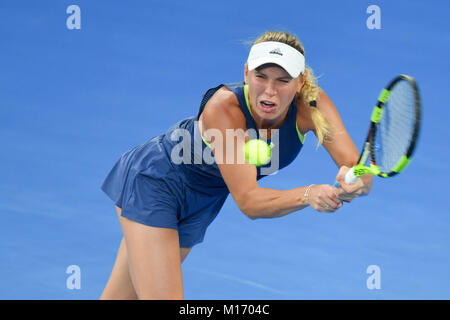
column 267, row 106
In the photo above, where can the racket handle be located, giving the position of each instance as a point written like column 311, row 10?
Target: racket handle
column 350, row 178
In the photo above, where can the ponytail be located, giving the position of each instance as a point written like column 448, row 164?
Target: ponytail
column 310, row 94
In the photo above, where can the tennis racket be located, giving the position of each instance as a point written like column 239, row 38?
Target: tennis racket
column 393, row 131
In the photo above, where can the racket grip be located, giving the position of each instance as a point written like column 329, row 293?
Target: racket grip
column 350, row 177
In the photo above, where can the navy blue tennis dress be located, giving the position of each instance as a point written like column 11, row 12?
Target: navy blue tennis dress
column 153, row 190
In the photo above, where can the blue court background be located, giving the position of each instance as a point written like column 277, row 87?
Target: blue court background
column 72, row 101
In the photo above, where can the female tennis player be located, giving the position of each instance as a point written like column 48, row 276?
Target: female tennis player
column 165, row 206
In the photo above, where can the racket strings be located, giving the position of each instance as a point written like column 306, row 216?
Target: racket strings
column 396, row 127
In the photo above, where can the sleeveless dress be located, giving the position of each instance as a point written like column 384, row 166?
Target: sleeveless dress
column 170, row 181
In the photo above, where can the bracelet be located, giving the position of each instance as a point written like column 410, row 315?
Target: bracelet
column 306, row 195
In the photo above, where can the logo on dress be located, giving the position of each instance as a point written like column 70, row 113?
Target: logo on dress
column 276, row 51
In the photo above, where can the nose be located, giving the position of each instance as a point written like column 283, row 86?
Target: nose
column 271, row 89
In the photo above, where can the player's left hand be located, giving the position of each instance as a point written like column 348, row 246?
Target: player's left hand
column 347, row 192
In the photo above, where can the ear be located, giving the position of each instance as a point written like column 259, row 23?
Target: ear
column 301, row 82
column 246, row 73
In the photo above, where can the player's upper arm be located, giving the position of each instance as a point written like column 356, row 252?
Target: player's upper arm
column 339, row 144
column 223, row 126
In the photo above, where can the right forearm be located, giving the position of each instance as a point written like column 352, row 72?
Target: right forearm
column 272, row 203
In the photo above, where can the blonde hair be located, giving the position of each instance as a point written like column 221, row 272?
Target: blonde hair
column 310, row 89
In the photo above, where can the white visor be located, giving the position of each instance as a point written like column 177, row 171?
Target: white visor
column 287, row 57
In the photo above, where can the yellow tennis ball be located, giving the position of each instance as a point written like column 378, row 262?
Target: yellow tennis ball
column 257, row 152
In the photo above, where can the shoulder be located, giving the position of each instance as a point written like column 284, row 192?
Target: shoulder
column 223, row 107
column 304, row 119
column 327, row 107
column 222, row 111
column 324, row 101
